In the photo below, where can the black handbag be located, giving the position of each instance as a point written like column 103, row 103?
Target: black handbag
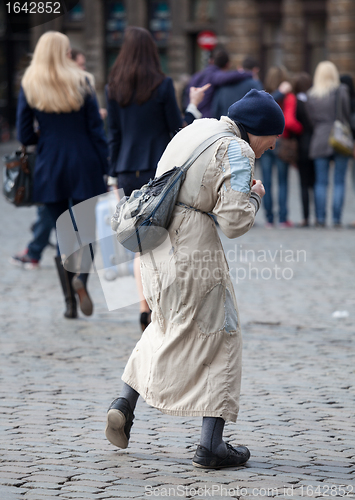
column 18, row 177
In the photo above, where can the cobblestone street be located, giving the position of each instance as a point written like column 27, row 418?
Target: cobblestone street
column 297, row 405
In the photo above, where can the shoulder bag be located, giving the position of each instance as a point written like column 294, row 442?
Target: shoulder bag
column 287, row 149
column 141, row 220
column 341, row 137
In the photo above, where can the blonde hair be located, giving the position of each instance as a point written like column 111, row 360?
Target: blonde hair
column 326, row 79
column 53, row 82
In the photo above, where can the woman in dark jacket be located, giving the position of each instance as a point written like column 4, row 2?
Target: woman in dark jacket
column 71, row 145
column 323, row 99
column 274, row 81
column 305, row 164
column 143, row 115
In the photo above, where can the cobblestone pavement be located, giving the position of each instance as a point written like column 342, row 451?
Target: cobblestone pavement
column 297, row 405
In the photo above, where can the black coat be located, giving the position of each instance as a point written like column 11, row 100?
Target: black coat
column 304, row 139
column 72, row 152
column 139, row 133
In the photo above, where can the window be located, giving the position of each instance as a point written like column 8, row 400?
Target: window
column 76, row 14
column 272, row 44
column 159, row 24
column 315, row 16
column 203, row 11
column 116, row 22
column 159, row 21
column 315, row 43
column 271, row 49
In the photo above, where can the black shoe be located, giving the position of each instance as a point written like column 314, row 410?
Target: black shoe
column 119, row 422
column 205, row 459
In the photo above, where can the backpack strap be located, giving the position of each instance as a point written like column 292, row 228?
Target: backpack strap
column 202, row 147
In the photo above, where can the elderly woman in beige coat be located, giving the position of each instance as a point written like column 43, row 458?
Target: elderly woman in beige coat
column 188, row 361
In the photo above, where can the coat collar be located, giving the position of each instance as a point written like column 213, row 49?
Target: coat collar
column 231, row 125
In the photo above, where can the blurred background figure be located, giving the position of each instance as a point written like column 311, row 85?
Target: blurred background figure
column 79, row 57
column 226, row 95
column 347, row 80
column 143, row 115
column 71, row 145
column 30, row 258
column 302, row 83
column 323, row 98
column 277, row 81
column 217, row 74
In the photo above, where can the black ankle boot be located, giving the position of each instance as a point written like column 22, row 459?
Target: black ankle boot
column 65, row 278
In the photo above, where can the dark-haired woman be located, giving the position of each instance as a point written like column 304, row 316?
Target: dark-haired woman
column 143, row 115
column 274, row 81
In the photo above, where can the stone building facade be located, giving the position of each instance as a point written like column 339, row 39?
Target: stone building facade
column 295, row 33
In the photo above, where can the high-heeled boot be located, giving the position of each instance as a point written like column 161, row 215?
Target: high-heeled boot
column 66, row 278
column 79, row 285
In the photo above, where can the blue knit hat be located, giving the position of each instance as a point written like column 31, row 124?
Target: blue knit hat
column 259, row 113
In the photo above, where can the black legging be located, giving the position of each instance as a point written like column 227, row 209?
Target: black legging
column 307, row 177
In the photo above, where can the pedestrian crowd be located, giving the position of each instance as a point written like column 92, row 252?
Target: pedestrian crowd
column 74, row 155
column 310, row 109
column 194, row 323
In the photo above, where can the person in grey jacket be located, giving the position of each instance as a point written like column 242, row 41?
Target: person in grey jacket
column 322, row 107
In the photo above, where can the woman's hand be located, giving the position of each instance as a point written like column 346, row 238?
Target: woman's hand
column 258, row 188
column 197, row 94
column 285, row 88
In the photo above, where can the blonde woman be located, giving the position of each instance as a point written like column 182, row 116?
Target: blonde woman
column 321, row 105
column 71, row 145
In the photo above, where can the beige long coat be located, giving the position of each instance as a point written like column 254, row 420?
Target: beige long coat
column 188, row 360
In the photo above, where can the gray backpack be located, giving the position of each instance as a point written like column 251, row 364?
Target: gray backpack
column 142, row 219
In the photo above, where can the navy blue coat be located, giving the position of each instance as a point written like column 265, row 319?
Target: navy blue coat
column 72, row 152
column 227, row 95
column 139, row 133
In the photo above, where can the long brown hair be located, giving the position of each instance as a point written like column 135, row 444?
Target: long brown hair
column 275, row 76
column 136, row 72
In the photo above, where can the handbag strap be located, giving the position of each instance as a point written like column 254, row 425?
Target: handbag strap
column 202, row 147
column 338, row 110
